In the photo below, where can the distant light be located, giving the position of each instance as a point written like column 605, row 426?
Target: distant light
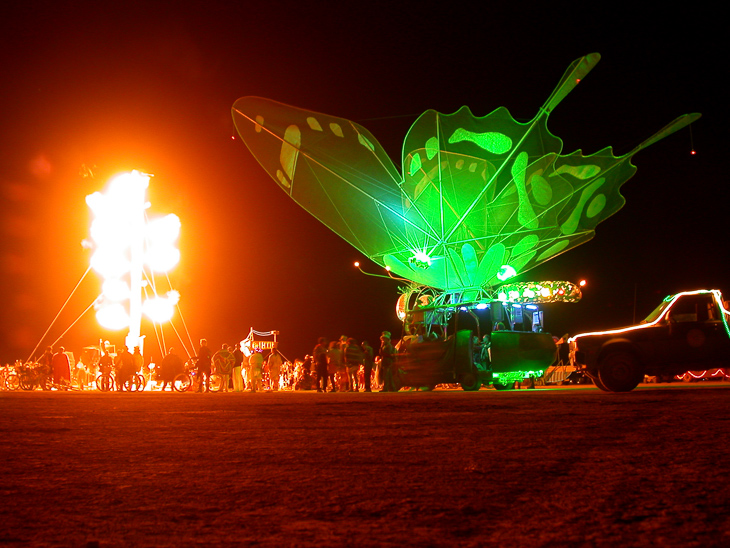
column 693, row 152
column 482, row 306
column 357, row 264
column 582, row 283
column 420, row 259
column 506, row 272
column 161, row 309
column 531, row 307
column 115, row 289
column 515, row 305
column 113, row 316
column 387, row 268
column 577, row 80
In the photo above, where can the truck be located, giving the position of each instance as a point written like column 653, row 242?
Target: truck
column 688, row 331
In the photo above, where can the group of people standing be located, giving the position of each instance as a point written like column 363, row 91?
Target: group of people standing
column 341, row 360
column 56, row 366
column 238, row 370
column 341, row 364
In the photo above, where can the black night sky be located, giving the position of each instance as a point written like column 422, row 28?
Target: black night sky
column 149, row 86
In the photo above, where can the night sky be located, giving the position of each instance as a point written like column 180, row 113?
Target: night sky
column 89, row 87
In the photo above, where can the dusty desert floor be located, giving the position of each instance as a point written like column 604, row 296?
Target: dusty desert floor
column 547, row 467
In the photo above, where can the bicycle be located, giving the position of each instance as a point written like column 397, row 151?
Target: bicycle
column 183, row 382
column 33, row 375
column 105, row 382
column 9, row 379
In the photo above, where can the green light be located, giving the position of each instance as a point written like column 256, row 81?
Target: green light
column 506, row 272
column 515, row 376
column 420, row 259
column 491, row 141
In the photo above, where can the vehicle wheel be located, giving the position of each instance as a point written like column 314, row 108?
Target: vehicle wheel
column 619, row 372
column 470, row 382
column 182, row 382
column 509, row 386
column 104, row 383
column 26, row 381
column 12, row 381
column 599, row 384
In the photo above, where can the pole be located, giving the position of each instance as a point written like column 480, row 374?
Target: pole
column 140, row 182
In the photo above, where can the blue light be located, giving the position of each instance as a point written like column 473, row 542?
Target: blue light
column 531, row 307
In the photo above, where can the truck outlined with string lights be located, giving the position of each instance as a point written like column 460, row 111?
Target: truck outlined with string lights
column 686, row 332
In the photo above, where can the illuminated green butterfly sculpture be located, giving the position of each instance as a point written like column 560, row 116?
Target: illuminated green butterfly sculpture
column 479, row 200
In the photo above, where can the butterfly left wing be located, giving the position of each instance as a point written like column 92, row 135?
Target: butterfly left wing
column 333, row 168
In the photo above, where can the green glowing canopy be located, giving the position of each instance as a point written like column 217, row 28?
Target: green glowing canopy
column 479, row 200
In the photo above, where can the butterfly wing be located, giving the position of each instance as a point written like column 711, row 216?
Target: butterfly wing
column 480, row 199
column 333, row 168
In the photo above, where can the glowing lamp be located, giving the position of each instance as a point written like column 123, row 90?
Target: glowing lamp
column 506, row 272
column 164, row 230
column 115, row 289
column 161, row 309
column 162, row 258
column 109, row 264
column 420, row 259
column 112, row 316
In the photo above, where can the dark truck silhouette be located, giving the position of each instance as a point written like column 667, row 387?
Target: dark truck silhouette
column 688, row 331
column 452, row 361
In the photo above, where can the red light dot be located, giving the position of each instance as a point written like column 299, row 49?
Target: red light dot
column 693, row 153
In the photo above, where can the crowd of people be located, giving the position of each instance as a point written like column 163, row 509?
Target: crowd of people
column 340, row 365
column 343, row 365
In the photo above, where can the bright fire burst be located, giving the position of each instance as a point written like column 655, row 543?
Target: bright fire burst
column 125, row 242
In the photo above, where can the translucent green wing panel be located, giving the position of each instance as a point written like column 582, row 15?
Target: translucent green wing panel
column 333, row 168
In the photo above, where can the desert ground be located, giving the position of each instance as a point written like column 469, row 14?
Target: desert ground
column 569, row 466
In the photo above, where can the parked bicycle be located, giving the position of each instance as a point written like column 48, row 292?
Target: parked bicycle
column 108, row 381
column 34, row 375
column 183, row 382
column 9, row 379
